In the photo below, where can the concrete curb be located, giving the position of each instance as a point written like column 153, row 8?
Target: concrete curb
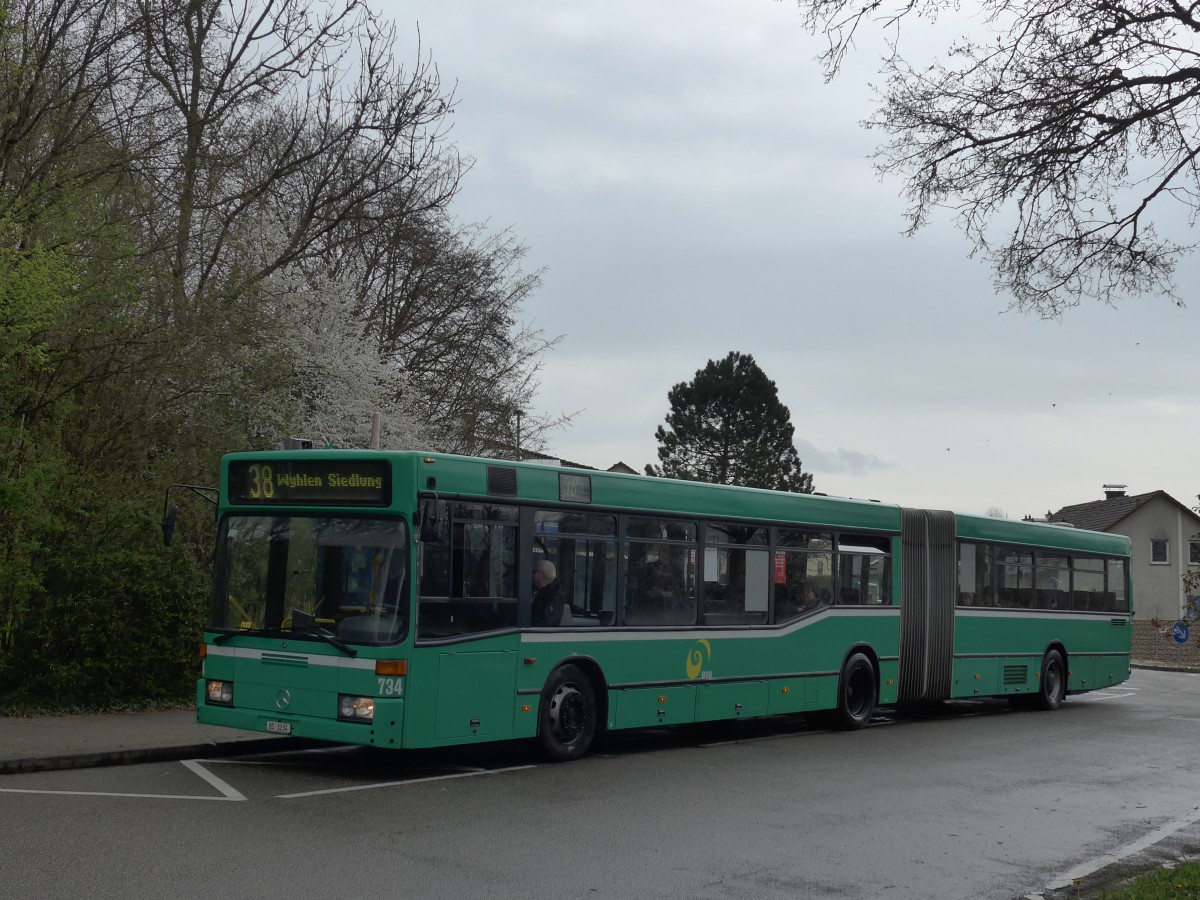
column 1157, row 666
column 137, row 755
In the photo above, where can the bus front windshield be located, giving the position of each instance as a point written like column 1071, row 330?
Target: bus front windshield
column 312, row 576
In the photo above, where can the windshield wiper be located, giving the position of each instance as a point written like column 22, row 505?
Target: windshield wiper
column 318, row 632
column 226, row 635
column 303, row 631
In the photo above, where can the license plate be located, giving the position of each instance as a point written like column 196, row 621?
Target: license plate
column 279, row 727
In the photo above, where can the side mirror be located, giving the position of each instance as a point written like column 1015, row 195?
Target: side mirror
column 168, row 524
column 432, row 514
column 171, row 513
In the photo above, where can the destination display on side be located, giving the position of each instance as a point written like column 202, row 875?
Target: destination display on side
column 333, row 482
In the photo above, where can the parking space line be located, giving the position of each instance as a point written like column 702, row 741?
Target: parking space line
column 230, row 793
column 276, row 764
column 385, row 784
column 117, row 794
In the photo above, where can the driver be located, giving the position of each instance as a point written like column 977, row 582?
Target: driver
column 547, row 595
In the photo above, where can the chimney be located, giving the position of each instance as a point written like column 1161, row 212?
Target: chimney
column 1114, row 491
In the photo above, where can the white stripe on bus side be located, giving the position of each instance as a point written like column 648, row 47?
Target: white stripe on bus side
column 994, row 613
column 338, row 662
column 629, row 634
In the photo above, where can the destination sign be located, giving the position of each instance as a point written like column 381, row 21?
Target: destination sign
column 316, row 482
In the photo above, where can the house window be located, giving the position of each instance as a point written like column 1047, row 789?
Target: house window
column 1194, row 553
column 1158, row 551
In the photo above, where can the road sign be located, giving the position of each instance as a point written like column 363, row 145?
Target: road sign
column 1180, row 631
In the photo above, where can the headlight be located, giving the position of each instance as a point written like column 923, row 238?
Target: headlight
column 220, row 692
column 356, row 709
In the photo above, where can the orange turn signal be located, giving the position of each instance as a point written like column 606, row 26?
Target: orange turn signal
column 391, row 667
column 203, row 651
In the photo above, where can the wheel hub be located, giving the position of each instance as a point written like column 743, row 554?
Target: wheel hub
column 568, row 712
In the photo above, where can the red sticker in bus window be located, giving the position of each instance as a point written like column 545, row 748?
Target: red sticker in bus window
column 780, row 569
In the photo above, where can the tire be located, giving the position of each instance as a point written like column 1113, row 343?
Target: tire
column 858, row 691
column 568, row 715
column 1053, row 681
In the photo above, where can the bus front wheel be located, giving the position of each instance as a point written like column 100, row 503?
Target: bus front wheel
column 567, row 719
column 1054, row 681
column 857, row 693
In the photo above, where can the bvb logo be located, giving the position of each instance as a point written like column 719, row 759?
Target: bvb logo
column 696, row 659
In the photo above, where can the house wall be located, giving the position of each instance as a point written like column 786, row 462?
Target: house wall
column 1158, row 589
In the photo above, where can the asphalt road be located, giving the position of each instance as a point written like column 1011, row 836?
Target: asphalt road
column 972, row 800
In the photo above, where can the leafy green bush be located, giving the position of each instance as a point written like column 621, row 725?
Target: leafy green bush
column 109, row 616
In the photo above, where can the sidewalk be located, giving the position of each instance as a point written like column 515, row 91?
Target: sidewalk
column 40, row 743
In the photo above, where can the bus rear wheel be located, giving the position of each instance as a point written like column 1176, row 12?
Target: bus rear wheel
column 1054, row 681
column 567, row 719
column 857, row 693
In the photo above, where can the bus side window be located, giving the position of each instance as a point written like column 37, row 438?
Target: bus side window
column 803, row 572
column 583, row 548
column 469, row 583
column 660, row 580
column 1014, row 578
column 864, row 570
column 737, row 575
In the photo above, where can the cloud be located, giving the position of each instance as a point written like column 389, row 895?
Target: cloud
column 838, row 462
column 692, row 187
column 1170, row 408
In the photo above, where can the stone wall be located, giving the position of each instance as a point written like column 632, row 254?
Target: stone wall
column 1153, row 644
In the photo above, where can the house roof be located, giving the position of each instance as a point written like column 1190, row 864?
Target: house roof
column 1102, row 515
column 531, row 455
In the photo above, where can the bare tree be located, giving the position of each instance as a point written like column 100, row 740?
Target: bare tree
column 257, row 135
column 443, row 302
column 279, row 116
column 1057, row 133
column 252, row 195
column 58, row 64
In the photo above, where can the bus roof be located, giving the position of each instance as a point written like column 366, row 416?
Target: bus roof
column 617, row 490
column 499, row 479
column 1058, row 537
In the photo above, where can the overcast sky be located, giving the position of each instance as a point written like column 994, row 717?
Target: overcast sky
column 692, row 186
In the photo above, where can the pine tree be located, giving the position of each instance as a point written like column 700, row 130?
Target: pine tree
column 727, row 426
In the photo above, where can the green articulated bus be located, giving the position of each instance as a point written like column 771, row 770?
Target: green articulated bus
column 404, row 600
